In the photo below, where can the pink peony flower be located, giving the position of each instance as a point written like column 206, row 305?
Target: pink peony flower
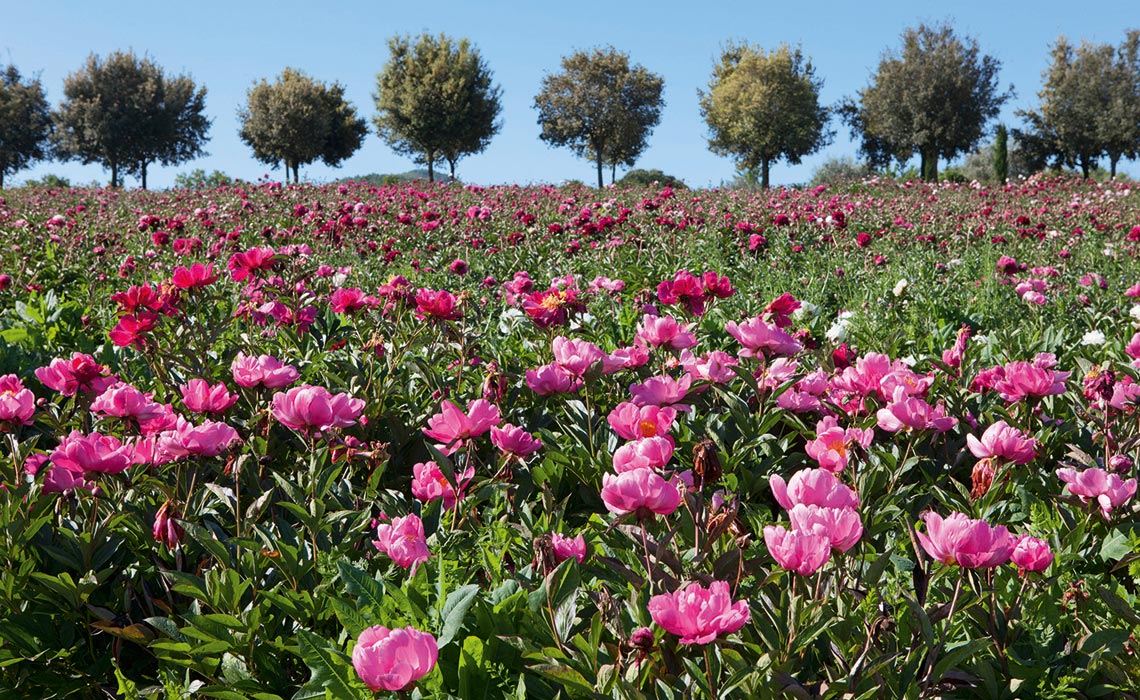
column 308, row 407
column 959, row 539
column 209, row 439
column 568, row 548
column 912, row 413
column 91, row 454
column 403, row 541
column 715, row 367
column 841, row 526
column 166, row 528
column 347, row 299
column 17, row 404
column 761, row 338
column 1025, row 379
column 641, row 491
column 699, row 615
column 1106, row 488
column 392, row 659
column 262, row 370
column 801, row 552
column 662, row 390
column 576, row 356
column 79, row 373
column 631, row 421
column 830, row 446
column 453, row 429
column 122, row 400
column 625, row 358
column 194, row 277
column 1004, row 442
column 552, row 379
column 643, row 453
column 199, row 397
column 1030, row 554
column 661, row 331
column 429, row 483
column 440, row 305
column 514, row 441
column 817, row 487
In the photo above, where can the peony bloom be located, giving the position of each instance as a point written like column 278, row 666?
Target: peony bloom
column 801, row 552
column 815, row 487
column 830, row 446
column 17, row 404
column 631, row 421
column 392, row 659
column 199, row 397
column 1106, row 488
column 912, row 413
column 312, row 407
column 1030, row 554
column 514, row 441
column 959, row 539
column 262, row 370
column 1004, row 442
column 91, row 454
column 762, row 338
column 953, row 356
column 207, row 440
column 576, row 356
column 841, row 526
column 661, row 331
column 250, row 262
column 625, row 358
column 643, row 491
column 1024, row 379
column 568, row 548
column 453, row 429
column 439, row 305
column 131, row 329
column 552, row 379
column 347, row 299
column 662, row 390
column 699, row 615
column 122, row 400
column 644, row 453
column 715, row 367
column 403, row 541
column 194, row 277
column 166, row 528
column 79, row 373
column 429, row 483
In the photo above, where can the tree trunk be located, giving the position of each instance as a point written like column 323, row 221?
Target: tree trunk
column 114, row 174
column 929, row 166
column 1112, row 161
column 143, row 171
column 613, row 173
column 764, row 167
column 601, row 182
column 1085, row 167
column 296, row 173
column 451, row 163
column 431, row 166
column 1, row 178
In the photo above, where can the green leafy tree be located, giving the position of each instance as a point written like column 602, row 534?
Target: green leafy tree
column 1001, row 155
column 297, row 120
column 761, row 107
column 1119, row 122
column 198, row 179
column 600, row 107
column 933, row 98
column 125, row 114
column 25, row 122
column 435, row 101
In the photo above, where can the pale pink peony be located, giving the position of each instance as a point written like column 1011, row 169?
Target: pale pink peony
column 514, row 441
column 1095, row 484
column 17, row 404
column 1004, row 442
column 662, row 390
column 200, row 397
column 122, row 400
column 801, row 552
column 841, row 526
column 308, row 407
column 643, row 453
column 403, row 541
column 576, row 356
column 263, row 370
column 393, row 659
column 1030, row 554
column 817, row 487
column 552, row 379
column 209, row 439
column 631, row 421
column 962, row 540
column 912, row 413
column 641, row 491
column 761, row 338
column 660, row 331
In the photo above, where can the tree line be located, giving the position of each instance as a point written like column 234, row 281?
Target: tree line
column 436, row 102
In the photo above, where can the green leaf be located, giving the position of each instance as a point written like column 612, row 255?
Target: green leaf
column 368, row 591
column 455, row 610
column 1115, row 546
column 330, row 668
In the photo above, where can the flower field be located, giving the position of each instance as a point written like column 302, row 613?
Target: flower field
column 441, row 441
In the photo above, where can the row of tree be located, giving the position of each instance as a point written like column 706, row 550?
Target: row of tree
column 436, row 102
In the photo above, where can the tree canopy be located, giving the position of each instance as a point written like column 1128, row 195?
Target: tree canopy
column 435, row 101
column 297, row 120
column 25, row 122
column 125, row 114
column 761, row 107
column 1090, row 104
column 600, row 107
column 933, row 98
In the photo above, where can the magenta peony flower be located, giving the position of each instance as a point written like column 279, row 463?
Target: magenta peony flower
column 801, row 552
column 17, row 404
column 643, row 491
column 576, row 356
column 79, row 373
column 309, row 407
column 1030, row 554
column 660, row 331
column 199, row 397
column 630, row 357
column 209, row 439
column 403, row 541
column 1004, row 442
column 813, row 487
column 429, row 483
column 662, row 390
column 1024, row 379
column 166, row 528
column 841, row 526
column 123, row 400
column 761, row 338
column 514, row 441
column 959, row 539
column 439, row 305
column 643, row 453
column 453, row 429
column 552, row 379
column 830, row 446
column 262, row 370
column 91, row 454
column 1106, row 488
column 568, row 548
column 699, row 615
column 631, row 421
column 912, row 413
column 392, row 659
column 194, row 277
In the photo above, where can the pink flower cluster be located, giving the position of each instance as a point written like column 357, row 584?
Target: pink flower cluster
column 824, row 517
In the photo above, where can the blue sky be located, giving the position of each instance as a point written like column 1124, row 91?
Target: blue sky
column 228, row 46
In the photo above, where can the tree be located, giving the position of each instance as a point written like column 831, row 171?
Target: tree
column 25, row 122
column 125, row 114
column 934, row 98
column 296, row 120
column 1001, row 155
column 761, row 107
column 435, row 101
column 600, row 107
column 1119, row 122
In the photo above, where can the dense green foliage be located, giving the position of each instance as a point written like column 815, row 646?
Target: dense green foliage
column 25, row 122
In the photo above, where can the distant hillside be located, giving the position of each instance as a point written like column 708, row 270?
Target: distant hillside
column 395, row 178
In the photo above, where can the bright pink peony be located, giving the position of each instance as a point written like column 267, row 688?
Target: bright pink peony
column 661, row 331
column 194, row 277
column 79, row 373
column 262, row 370
column 308, row 407
column 122, row 400
column 392, row 659
column 552, row 379
column 568, row 547
column 715, row 367
column 761, row 338
column 625, row 358
column 959, row 539
column 576, row 356
column 429, row 483
column 631, row 421
column 439, row 305
column 662, row 390
column 801, row 552
column 453, row 429
column 166, row 528
column 17, row 404
column 817, row 487
column 1004, row 442
column 1030, row 554
column 91, row 454
column 1106, row 488
column 209, row 439
column 514, row 441
column 643, row 491
column 644, row 453
column 1030, row 379
column 199, row 397
column 841, row 526
column 403, row 541
column 912, row 413
column 830, row 446
column 699, row 615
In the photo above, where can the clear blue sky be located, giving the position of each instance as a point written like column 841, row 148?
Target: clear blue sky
column 227, row 46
